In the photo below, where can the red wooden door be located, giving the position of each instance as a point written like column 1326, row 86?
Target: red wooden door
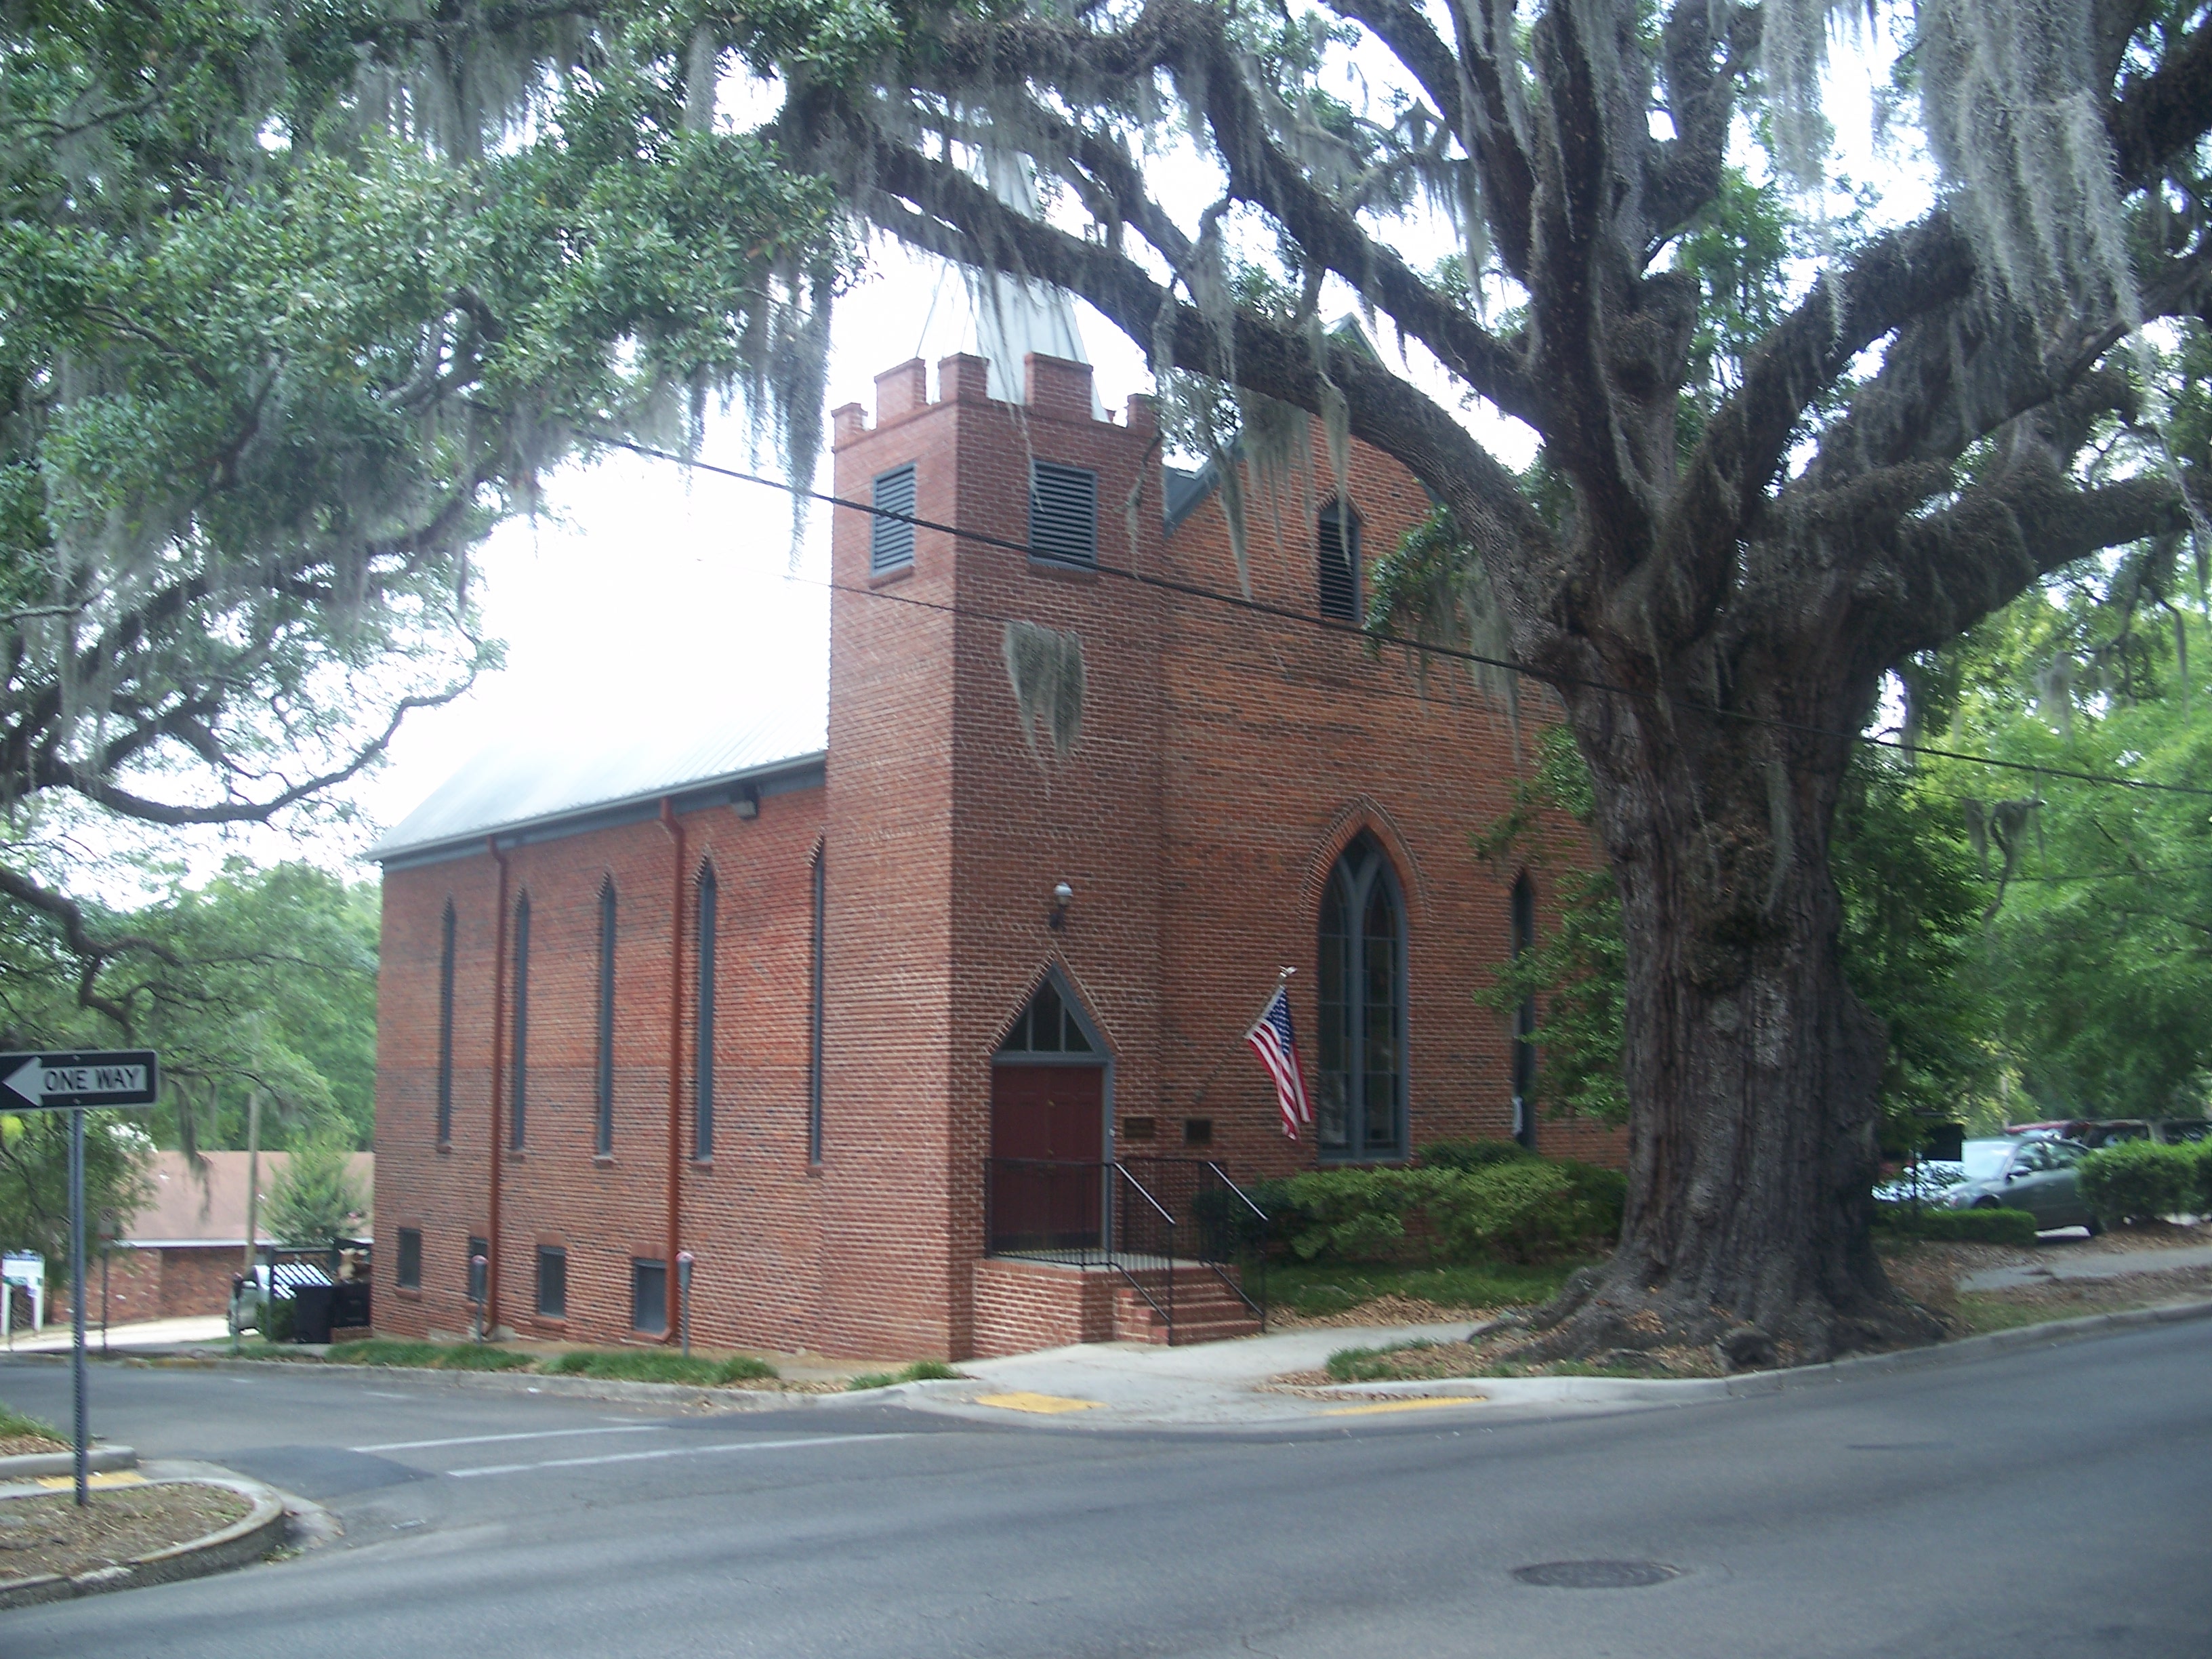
column 1048, row 1147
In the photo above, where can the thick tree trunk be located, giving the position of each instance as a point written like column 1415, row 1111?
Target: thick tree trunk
column 1752, row 1067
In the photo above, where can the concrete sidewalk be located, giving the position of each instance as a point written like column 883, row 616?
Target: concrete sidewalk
column 2118, row 1264
column 146, row 1334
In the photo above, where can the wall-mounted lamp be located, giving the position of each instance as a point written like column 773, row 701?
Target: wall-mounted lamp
column 748, row 801
column 1062, row 896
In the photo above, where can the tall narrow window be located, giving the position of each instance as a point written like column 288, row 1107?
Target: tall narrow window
column 1524, row 1020
column 1063, row 513
column 1338, row 538
column 890, row 541
column 1362, row 981
column 821, row 908
column 408, row 1272
column 521, row 1021
column 604, row 1081
column 702, row 1120
column 446, row 1027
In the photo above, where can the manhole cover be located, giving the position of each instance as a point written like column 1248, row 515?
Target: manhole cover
column 1596, row 1575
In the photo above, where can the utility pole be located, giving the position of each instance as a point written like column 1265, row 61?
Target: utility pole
column 252, row 1176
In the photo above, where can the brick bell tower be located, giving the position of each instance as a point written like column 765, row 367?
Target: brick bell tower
column 949, row 830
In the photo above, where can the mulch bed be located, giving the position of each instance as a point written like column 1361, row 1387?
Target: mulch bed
column 1392, row 1309
column 49, row 1533
column 23, row 1445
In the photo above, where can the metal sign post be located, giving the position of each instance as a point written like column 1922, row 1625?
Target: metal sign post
column 70, row 1082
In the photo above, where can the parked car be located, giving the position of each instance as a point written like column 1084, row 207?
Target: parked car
column 1929, row 1182
column 2094, row 1132
column 2034, row 1173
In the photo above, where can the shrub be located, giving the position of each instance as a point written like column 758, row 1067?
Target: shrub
column 1511, row 1207
column 1458, row 1210
column 1473, row 1154
column 1957, row 1226
column 2140, row 1181
column 2204, row 1177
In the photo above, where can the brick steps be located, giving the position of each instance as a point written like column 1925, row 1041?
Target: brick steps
column 1206, row 1310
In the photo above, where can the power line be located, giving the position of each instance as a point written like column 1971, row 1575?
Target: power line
column 1326, row 624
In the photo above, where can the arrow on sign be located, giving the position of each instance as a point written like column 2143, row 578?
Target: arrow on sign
column 100, row 1077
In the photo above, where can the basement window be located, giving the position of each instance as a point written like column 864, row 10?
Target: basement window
column 552, row 1282
column 648, row 1295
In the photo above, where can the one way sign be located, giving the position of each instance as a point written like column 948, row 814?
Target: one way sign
column 98, row 1076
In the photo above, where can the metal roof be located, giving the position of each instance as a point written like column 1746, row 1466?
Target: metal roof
column 513, row 786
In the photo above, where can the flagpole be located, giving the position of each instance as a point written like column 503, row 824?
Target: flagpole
column 1282, row 977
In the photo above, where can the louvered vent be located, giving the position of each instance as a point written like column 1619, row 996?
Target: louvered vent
column 1340, row 563
column 1063, row 513
column 891, row 543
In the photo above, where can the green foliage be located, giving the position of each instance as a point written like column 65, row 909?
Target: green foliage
column 2099, row 900
column 315, row 1198
column 12, row 1423
column 34, row 1208
column 256, row 979
column 921, row 1370
column 1511, row 1206
column 659, row 1365
column 1990, row 1226
column 1906, row 877
column 1577, row 970
column 300, row 301
column 1368, row 1365
column 1472, row 1154
column 2141, row 1180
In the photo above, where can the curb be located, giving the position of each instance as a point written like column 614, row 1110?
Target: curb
column 1619, row 1390
column 28, row 1465
column 243, row 1541
column 732, row 1398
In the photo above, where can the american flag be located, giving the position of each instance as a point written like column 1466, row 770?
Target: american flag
column 1272, row 1040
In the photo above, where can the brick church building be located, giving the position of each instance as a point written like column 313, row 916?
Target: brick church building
column 778, row 999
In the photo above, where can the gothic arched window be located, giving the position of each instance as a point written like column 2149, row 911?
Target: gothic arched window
column 1362, row 1051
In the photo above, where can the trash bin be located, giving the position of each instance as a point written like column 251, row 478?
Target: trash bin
column 349, row 1305
column 311, row 1312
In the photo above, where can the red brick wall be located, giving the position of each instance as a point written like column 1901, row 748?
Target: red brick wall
column 1021, row 1307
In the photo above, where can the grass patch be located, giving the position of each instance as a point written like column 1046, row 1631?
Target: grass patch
column 922, row 1370
column 660, row 1366
column 14, row 1423
column 1319, row 1289
column 1370, row 1364
column 430, row 1356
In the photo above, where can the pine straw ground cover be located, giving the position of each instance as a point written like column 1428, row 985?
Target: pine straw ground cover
column 1928, row 1273
column 1308, row 1296
column 49, row 1533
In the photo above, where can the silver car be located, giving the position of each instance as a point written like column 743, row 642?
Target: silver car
column 2038, row 1176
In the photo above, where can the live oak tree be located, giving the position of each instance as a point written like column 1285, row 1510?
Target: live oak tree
column 1714, row 570
column 1715, row 587
column 296, row 301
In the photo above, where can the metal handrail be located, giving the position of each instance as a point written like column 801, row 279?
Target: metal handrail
column 1134, row 1229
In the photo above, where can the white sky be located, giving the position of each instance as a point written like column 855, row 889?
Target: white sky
column 648, row 590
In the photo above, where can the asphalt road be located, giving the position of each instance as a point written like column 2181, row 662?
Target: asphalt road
column 2056, row 1501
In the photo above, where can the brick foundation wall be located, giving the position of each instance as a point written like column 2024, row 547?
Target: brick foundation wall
column 1022, row 1306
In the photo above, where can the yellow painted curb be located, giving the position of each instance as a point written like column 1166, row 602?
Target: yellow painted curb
column 1403, row 1406
column 111, row 1477
column 1045, row 1405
